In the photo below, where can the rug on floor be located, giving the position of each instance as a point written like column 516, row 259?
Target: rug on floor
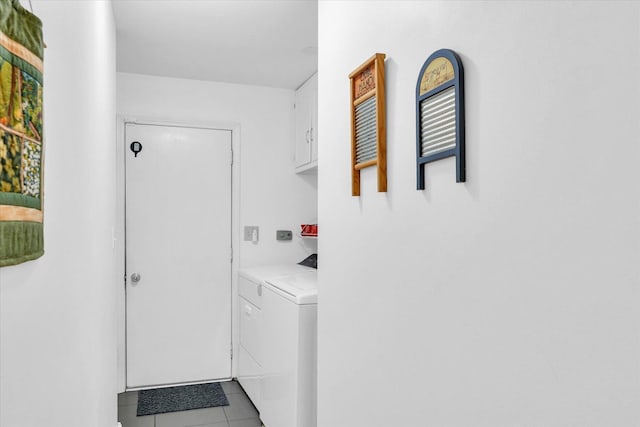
column 173, row 399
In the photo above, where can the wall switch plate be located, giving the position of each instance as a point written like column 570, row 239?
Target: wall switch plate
column 284, row 235
column 251, row 233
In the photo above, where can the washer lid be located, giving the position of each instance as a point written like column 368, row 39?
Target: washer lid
column 301, row 288
column 258, row 274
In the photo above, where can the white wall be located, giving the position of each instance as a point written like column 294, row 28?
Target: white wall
column 267, row 192
column 57, row 314
column 271, row 195
column 512, row 299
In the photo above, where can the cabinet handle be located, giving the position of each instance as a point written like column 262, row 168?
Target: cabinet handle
column 311, row 134
column 307, row 136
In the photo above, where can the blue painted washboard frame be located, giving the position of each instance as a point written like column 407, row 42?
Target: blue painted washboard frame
column 458, row 83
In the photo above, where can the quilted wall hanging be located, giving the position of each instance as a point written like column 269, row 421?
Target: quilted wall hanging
column 21, row 139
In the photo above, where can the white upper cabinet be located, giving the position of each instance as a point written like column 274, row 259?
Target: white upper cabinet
column 307, row 126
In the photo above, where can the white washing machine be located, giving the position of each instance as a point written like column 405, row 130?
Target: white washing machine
column 289, row 350
column 251, row 282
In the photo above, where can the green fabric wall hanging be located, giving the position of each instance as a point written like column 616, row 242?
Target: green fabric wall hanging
column 21, row 139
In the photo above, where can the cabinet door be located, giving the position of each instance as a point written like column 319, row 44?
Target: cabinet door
column 304, row 102
column 314, row 117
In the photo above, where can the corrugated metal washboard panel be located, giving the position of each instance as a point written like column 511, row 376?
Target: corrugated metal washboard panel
column 366, row 131
column 438, row 122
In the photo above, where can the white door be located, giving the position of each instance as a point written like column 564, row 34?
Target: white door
column 178, row 247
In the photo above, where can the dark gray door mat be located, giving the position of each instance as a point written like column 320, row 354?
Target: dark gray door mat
column 172, row 399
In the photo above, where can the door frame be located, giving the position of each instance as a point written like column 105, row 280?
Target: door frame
column 119, row 232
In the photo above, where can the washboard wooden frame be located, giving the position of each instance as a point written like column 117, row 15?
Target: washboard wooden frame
column 440, row 113
column 368, row 122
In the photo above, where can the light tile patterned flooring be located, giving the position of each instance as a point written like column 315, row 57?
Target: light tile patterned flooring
column 239, row 413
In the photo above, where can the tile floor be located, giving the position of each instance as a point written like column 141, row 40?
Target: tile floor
column 239, row 413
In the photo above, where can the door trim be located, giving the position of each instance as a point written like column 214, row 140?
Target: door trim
column 119, row 232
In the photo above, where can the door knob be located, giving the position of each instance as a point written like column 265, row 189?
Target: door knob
column 135, row 278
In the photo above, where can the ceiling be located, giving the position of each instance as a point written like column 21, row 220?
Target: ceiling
column 254, row 42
